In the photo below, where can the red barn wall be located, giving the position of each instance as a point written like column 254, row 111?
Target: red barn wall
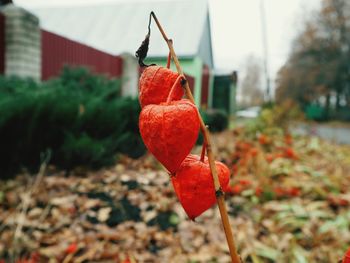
column 58, row 51
column 191, row 80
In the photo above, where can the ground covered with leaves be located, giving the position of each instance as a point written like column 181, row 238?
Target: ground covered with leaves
column 289, row 202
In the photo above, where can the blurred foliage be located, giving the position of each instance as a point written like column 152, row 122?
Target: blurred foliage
column 275, row 118
column 217, row 120
column 317, row 70
column 80, row 117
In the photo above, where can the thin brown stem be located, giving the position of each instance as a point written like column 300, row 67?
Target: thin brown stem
column 207, row 140
column 173, row 88
column 168, row 61
column 203, row 152
column 169, row 57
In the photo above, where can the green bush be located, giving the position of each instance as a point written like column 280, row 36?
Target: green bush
column 80, row 117
column 315, row 112
column 216, row 119
column 342, row 114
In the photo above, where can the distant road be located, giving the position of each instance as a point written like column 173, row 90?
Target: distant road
column 336, row 134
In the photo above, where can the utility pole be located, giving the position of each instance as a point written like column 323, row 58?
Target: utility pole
column 265, row 50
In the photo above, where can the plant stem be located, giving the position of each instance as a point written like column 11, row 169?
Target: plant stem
column 169, row 58
column 168, row 62
column 203, row 152
column 207, row 140
column 173, row 88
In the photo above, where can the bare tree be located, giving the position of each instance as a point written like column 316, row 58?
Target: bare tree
column 250, row 88
column 319, row 63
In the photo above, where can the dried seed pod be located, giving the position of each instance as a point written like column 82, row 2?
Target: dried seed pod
column 169, row 131
column 155, row 84
column 194, row 184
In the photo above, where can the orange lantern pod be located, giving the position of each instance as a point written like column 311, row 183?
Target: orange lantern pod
column 155, row 84
column 170, row 129
column 194, row 185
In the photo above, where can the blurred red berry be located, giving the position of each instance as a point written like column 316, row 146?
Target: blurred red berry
column 258, row 191
column 236, row 189
column 263, row 139
column 290, row 153
column 293, row 191
column 269, row 157
column 244, row 182
column 72, row 248
column 254, row 151
column 338, row 201
column 35, row 256
column 346, row 258
column 343, row 202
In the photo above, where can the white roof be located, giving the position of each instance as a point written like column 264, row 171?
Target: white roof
column 118, row 28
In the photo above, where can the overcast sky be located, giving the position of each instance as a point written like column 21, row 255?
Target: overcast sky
column 236, row 28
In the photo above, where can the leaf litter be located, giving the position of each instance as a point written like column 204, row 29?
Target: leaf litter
column 285, row 206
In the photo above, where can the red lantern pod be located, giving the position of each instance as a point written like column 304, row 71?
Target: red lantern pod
column 346, row 258
column 194, row 186
column 170, row 130
column 155, row 84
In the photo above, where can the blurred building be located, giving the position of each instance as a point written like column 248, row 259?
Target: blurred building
column 20, row 49
column 39, row 42
column 119, row 28
column 225, row 91
column 26, row 50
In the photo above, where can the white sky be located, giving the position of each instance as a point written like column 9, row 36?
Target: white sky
column 236, row 28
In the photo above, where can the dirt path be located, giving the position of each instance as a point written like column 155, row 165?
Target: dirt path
column 335, row 133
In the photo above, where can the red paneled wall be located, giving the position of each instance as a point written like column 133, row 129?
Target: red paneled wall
column 191, row 81
column 2, row 44
column 58, row 51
